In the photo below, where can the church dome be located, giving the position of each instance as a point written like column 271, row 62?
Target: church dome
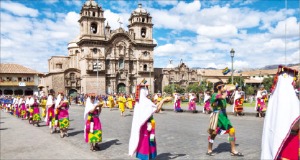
column 139, row 10
column 91, row 3
column 73, row 43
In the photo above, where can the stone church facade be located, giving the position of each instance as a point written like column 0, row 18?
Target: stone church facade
column 101, row 60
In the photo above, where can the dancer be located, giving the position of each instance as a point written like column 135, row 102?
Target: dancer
column 43, row 106
column 238, row 102
column 219, row 122
column 261, row 98
column 142, row 139
column 50, row 116
column 280, row 138
column 93, row 128
column 192, row 102
column 110, row 102
column 63, row 116
column 121, row 102
column 35, row 112
column 129, row 102
column 206, row 108
column 177, row 101
column 22, row 107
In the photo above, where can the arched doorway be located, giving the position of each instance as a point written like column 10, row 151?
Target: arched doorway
column 18, row 92
column 28, row 92
column 72, row 92
column 121, row 88
column 8, row 92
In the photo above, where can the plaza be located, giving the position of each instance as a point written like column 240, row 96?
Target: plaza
column 179, row 136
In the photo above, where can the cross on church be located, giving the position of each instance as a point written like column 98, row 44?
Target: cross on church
column 120, row 22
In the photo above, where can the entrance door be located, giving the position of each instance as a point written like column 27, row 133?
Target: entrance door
column 121, row 88
column 72, row 92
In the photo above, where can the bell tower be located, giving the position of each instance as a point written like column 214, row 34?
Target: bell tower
column 91, row 21
column 140, row 25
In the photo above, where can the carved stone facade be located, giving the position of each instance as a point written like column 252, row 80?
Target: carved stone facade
column 181, row 75
column 101, row 60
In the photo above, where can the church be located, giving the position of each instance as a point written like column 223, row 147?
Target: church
column 104, row 61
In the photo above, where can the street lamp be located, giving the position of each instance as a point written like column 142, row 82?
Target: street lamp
column 232, row 55
column 97, row 66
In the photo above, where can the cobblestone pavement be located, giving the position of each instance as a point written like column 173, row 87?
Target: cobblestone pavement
column 179, row 136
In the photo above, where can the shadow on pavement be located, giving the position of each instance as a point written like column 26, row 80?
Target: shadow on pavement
column 169, row 156
column 75, row 133
column 105, row 145
column 3, row 129
column 223, row 147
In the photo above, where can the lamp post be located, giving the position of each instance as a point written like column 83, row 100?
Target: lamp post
column 232, row 55
column 97, row 67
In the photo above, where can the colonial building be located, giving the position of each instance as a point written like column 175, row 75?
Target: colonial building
column 16, row 79
column 101, row 60
column 181, row 75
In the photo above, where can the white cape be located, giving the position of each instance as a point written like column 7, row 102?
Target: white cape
column 283, row 111
column 142, row 112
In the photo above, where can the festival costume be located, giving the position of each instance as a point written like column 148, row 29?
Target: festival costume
column 238, row 102
column 63, row 115
column 22, row 109
column 129, row 102
column 122, row 102
column 280, row 138
column 93, row 128
column 206, row 107
column 43, row 106
column 142, row 139
column 110, row 101
column 192, row 103
column 36, row 113
column 177, row 101
column 261, row 99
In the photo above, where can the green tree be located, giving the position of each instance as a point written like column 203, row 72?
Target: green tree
column 237, row 80
column 195, row 87
column 249, row 90
column 171, row 88
column 267, row 82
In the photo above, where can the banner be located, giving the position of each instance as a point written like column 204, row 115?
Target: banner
column 225, row 71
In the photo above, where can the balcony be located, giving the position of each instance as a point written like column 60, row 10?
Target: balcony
column 17, row 83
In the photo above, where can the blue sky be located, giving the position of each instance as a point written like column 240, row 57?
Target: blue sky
column 201, row 33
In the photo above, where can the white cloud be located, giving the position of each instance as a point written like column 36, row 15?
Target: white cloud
column 112, row 19
column 167, row 3
column 217, row 31
column 289, row 27
column 18, row 9
column 187, row 8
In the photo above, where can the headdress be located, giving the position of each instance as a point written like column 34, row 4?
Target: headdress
column 138, row 88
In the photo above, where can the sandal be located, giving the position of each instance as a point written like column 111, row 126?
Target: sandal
column 210, row 153
column 238, row 154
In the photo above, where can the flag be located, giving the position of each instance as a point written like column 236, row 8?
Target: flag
column 144, row 81
column 225, row 71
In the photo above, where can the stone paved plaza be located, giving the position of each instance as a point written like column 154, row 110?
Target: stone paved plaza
column 179, row 136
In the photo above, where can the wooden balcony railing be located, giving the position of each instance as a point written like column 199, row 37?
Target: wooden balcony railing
column 16, row 83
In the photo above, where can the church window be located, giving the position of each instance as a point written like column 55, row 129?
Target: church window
column 143, row 32
column 94, row 14
column 20, row 79
column 121, row 63
column 94, row 28
column 145, row 67
column 145, row 53
column 58, row 66
column 143, row 19
column 72, row 76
